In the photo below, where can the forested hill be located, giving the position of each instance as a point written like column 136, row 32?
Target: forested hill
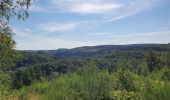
column 122, row 70
column 89, row 51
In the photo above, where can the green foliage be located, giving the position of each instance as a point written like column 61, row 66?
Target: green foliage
column 165, row 74
column 103, row 77
column 8, row 9
column 125, row 95
column 86, row 84
column 21, row 78
column 8, row 56
column 91, row 83
column 168, row 59
column 5, row 82
column 155, row 60
column 125, row 79
column 156, row 90
column 6, row 49
column 39, row 87
column 95, row 78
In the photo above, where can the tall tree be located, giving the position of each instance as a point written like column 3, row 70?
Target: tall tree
column 168, row 59
column 151, row 58
column 8, row 9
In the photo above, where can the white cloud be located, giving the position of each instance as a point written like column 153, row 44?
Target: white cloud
column 37, row 8
column 148, row 37
column 20, row 33
column 94, row 8
column 53, row 27
column 28, row 30
column 109, row 10
column 99, row 34
column 132, row 8
column 86, row 6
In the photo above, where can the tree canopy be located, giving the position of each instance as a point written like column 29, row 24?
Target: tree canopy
column 8, row 9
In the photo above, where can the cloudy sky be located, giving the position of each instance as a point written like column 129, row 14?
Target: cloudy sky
column 54, row 24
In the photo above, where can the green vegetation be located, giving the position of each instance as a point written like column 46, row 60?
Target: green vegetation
column 91, row 83
column 126, row 73
column 118, row 75
column 8, row 56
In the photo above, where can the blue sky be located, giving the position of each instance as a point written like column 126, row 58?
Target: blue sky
column 54, row 24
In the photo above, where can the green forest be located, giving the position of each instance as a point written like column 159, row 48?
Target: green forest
column 129, row 72
column 105, row 72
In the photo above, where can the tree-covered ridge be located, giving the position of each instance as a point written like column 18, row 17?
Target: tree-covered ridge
column 90, row 51
column 126, row 73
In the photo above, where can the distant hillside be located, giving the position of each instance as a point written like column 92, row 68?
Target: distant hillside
column 32, row 66
column 89, row 51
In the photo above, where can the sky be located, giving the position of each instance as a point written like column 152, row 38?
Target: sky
column 55, row 24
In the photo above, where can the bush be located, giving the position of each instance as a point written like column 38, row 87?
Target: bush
column 125, row 95
column 157, row 90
